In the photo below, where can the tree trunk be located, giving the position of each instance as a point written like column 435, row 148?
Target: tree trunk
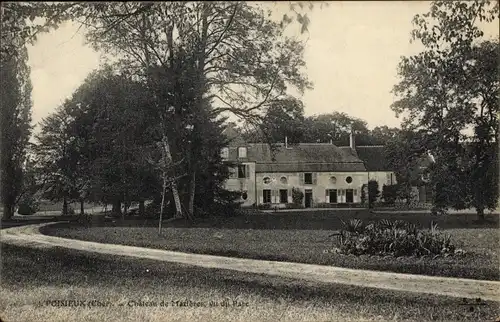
column 125, row 209
column 116, row 209
column 142, row 211
column 173, row 185
column 65, row 207
column 192, row 190
column 82, row 210
column 8, row 211
column 177, row 201
column 162, row 207
column 480, row 213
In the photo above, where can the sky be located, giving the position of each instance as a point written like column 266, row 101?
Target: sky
column 352, row 53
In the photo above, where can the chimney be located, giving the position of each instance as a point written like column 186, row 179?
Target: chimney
column 352, row 141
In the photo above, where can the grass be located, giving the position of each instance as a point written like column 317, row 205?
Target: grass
column 304, row 238
column 32, row 277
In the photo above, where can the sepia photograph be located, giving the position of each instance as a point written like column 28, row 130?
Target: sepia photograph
column 249, row 161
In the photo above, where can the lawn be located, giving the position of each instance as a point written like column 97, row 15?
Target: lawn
column 305, row 238
column 32, row 280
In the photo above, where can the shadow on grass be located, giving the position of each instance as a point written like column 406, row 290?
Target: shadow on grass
column 55, row 267
column 318, row 220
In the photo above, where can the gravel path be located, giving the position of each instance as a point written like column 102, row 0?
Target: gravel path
column 457, row 287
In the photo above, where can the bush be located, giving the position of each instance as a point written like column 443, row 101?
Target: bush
column 390, row 193
column 294, row 206
column 264, row 206
column 338, row 205
column 396, row 238
column 297, row 196
column 27, row 208
column 373, row 191
column 363, row 194
column 324, row 205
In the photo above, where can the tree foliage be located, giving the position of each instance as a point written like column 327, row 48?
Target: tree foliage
column 15, row 110
column 449, row 93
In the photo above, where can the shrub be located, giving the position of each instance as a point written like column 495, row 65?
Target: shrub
column 294, row 206
column 324, row 205
column 396, row 238
column 363, row 194
column 27, row 207
column 297, row 196
column 390, row 193
column 264, row 206
column 373, row 191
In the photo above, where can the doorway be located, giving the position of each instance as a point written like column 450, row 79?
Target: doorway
column 308, row 198
column 349, row 196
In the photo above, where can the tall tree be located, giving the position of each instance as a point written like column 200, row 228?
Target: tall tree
column 334, row 127
column 16, row 31
column 448, row 88
column 283, row 118
column 383, row 134
column 57, row 158
column 15, row 109
column 243, row 61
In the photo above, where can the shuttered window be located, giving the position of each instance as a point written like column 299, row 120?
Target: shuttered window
column 242, row 152
column 332, row 195
column 242, row 171
column 224, row 153
column 301, row 178
column 308, row 178
column 266, row 193
column 283, row 196
column 233, row 173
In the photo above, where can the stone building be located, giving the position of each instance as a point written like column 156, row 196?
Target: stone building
column 323, row 172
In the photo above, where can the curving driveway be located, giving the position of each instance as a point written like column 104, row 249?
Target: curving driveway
column 456, row 287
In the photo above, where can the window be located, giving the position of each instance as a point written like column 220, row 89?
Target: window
column 389, row 178
column 333, row 195
column 242, row 152
column 242, row 171
column 224, row 153
column 308, row 178
column 348, row 179
column 283, row 196
column 333, row 180
column 266, row 180
column 233, row 174
column 266, row 193
column 283, row 180
column 244, row 195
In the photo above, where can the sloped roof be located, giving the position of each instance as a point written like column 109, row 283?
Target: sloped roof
column 310, row 167
column 302, row 152
column 303, row 157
